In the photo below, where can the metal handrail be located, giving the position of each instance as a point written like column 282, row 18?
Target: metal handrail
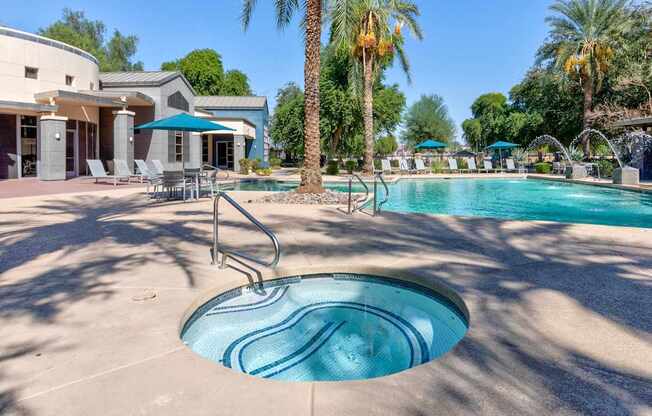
column 254, row 221
column 363, row 200
column 217, row 169
column 377, row 208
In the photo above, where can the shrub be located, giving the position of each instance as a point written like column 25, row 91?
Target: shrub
column 437, row 166
column 606, row 168
column 351, row 165
column 542, row 167
column 462, row 163
column 275, row 162
column 245, row 166
column 264, row 172
column 255, row 164
column 394, row 163
column 378, row 165
column 333, row 168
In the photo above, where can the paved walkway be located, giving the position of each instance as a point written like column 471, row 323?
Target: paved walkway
column 561, row 322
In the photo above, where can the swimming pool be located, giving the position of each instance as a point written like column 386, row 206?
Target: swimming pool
column 328, row 327
column 519, row 199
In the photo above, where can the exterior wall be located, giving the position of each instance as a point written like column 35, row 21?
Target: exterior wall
column 158, row 142
column 260, row 118
column 53, row 64
column 52, row 148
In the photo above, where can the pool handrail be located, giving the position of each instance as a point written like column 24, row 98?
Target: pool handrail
column 232, row 253
column 378, row 207
column 359, row 203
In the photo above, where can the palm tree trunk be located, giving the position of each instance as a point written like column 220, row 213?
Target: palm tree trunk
column 588, row 109
column 368, row 114
column 311, row 173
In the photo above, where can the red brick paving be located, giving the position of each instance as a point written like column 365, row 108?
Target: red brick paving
column 14, row 188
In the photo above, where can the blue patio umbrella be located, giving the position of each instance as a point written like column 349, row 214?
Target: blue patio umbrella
column 500, row 146
column 183, row 122
column 431, row 144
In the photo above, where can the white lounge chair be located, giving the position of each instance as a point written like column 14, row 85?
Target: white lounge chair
column 471, row 163
column 488, row 166
column 146, row 175
column 98, row 172
column 405, row 167
column 512, row 168
column 452, row 165
column 122, row 169
column 420, row 167
column 386, row 166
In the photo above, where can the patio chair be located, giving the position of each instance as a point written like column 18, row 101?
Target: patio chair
column 471, row 163
column 98, row 172
column 420, row 166
column 452, row 165
column 174, row 181
column 386, row 166
column 511, row 167
column 121, row 169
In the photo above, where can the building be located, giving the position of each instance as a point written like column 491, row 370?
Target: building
column 57, row 110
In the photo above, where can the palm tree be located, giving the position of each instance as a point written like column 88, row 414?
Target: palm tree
column 371, row 31
column 311, row 181
column 584, row 35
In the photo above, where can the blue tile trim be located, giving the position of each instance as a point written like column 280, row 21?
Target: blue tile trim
column 301, row 350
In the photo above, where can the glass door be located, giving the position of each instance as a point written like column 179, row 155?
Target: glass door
column 71, row 145
column 222, row 160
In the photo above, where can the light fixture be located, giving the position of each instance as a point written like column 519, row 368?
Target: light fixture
column 131, row 138
column 57, row 136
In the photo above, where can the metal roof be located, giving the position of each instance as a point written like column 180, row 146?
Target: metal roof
column 140, row 79
column 230, row 102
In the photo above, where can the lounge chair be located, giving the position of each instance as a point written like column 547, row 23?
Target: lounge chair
column 405, row 167
column 420, row 167
column 472, row 166
column 156, row 167
column 146, row 175
column 122, row 169
column 488, row 166
column 98, row 172
column 512, row 168
column 452, row 165
column 386, row 166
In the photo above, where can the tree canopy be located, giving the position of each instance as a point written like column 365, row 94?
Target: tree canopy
column 428, row 118
column 204, row 70
column 76, row 29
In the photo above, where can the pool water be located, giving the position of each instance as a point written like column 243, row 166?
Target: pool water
column 326, row 328
column 519, row 199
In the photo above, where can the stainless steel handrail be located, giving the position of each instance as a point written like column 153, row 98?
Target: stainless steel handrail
column 254, row 221
column 217, row 169
column 377, row 208
column 363, row 200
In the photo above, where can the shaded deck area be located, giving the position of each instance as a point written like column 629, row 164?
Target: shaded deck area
column 561, row 322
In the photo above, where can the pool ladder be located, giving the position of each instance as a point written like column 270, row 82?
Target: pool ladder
column 232, row 253
column 360, row 204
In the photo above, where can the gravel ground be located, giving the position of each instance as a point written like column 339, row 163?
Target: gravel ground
column 327, row 198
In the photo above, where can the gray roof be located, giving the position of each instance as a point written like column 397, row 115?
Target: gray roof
column 634, row 122
column 140, row 79
column 213, row 101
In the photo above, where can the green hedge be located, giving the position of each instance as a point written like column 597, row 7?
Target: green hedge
column 351, row 165
column 275, row 162
column 606, row 168
column 542, row 168
column 332, row 168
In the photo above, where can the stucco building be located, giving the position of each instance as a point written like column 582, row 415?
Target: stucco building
column 57, row 110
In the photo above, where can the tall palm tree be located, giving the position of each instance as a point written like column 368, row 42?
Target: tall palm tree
column 311, row 181
column 584, row 34
column 371, row 31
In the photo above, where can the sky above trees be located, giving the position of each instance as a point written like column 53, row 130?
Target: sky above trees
column 469, row 48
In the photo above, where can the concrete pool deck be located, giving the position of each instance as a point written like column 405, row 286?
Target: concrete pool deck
column 561, row 316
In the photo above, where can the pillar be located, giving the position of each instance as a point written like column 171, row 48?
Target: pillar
column 51, row 148
column 123, row 136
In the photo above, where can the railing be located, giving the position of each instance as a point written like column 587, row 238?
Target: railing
column 362, row 203
column 377, row 207
column 211, row 167
column 226, row 254
column 359, row 203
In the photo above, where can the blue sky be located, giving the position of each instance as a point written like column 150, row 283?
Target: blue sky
column 470, row 46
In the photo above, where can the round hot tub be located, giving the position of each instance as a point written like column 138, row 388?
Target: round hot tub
column 326, row 327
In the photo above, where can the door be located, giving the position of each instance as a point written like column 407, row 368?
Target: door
column 222, row 155
column 71, row 147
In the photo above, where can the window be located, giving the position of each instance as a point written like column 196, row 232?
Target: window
column 204, row 149
column 69, row 79
column 31, row 73
column 177, row 101
column 178, row 136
